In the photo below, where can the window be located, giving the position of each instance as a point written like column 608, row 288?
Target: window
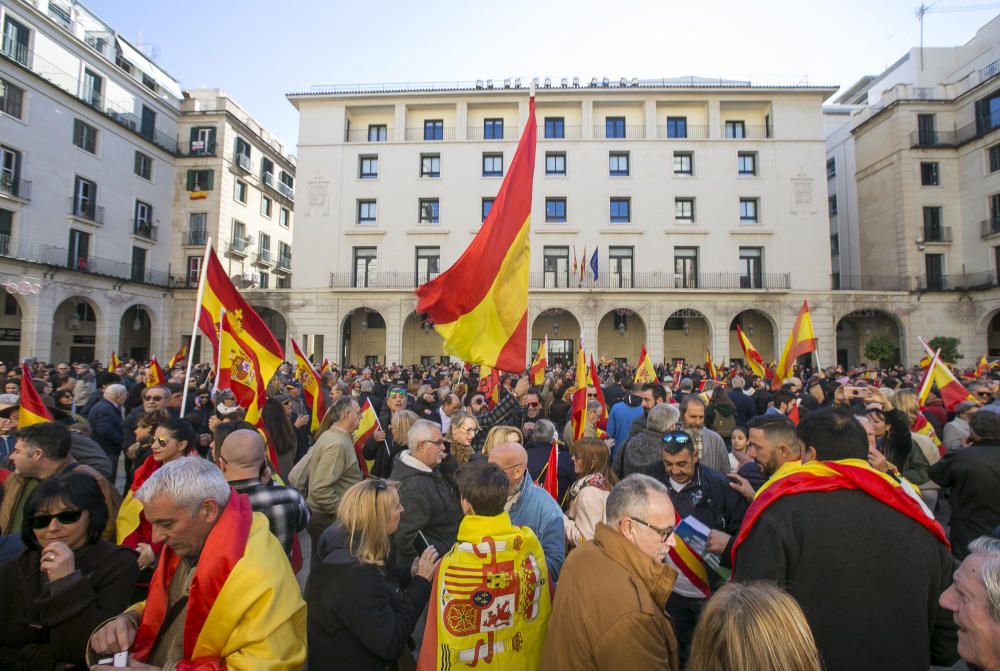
column 621, row 210
column 202, row 141
column 240, row 192
column 929, row 174
column 200, row 180
column 620, row 261
column 430, row 165
column 748, row 211
column 84, row 198
column 746, row 163
column 555, row 267
column 686, row 267
column 677, row 127
column 143, row 218
column 987, row 113
column 149, row 82
column 365, row 265
column 735, row 130
column 751, row 268
column 683, row 163
column 263, row 280
column 487, row 206
column 284, row 282
column 242, row 148
column 835, row 244
column 614, row 127
column 285, row 217
column 84, row 136
column 368, row 167
column 493, row 129
column 994, row 157
column 15, row 41
column 267, row 171
column 11, row 307
column 147, row 125
column 240, row 240
column 378, row 132
column 618, row 164
column 831, row 168
column 428, row 263
column 433, row 129
column 555, row 163
column 555, row 210
column 138, row 264
column 366, row 211
column 197, row 227
column 492, row 165
column 265, row 206
column 10, row 171
column 92, row 84
column 286, row 179
column 78, row 256
column 933, row 230
column 926, row 130
column 429, row 210
column 684, row 210
column 934, row 264
column 11, row 99
column 193, row 270
column 832, row 205
column 555, row 128
column 264, row 247
column 143, row 165
column 284, row 256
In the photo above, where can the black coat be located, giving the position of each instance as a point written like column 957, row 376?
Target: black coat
column 746, row 408
column 973, row 474
column 359, row 618
column 382, row 452
column 431, row 506
column 538, row 457
column 42, row 625
column 867, row 577
column 106, row 426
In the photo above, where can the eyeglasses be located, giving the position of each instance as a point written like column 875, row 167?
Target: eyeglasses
column 162, row 441
column 534, row 404
column 663, row 533
column 438, row 442
column 154, row 398
column 591, row 395
column 65, row 517
column 469, row 429
column 397, row 392
column 510, row 468
column 984, row 394
column 678, row 437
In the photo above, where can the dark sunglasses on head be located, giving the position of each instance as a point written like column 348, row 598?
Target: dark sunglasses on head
column 678, row 437
column 65, row 517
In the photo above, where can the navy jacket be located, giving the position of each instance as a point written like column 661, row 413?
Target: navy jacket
column 106, row 426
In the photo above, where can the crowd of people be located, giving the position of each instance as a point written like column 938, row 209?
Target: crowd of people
column 840, row 522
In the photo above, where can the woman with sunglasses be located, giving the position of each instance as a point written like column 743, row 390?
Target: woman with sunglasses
column 461, row 434
column 358, row 613
column 67, row 580
column 586, row 498
column 173, row 439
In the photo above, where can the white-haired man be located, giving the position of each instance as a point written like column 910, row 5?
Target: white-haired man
column 106, row 420
column 223, row 594
column 974, row 600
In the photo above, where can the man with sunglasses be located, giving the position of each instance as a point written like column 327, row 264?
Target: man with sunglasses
column 613, row 590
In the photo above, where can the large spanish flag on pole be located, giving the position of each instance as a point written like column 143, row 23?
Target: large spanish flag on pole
column 480, row 304
column 579, row 406
column 366, row 427
column 307, row 375
column 802, row 340
column 949, row 388
column 33, row 411
column 753, row 357
column 244, row 368
column 644, row 371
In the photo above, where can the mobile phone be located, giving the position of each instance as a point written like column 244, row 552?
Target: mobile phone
column 119, row 661
column 856, row 392
column 420, row 543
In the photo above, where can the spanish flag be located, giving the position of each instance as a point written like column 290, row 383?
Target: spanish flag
column 689, row 562
column 593, row 379
column 549, row 480
column 366, row 427
column 753, row 357
column 949, row 388
column 244, row 369
column 114, row 363
column 307, row 375
column 32, row 411
column 489, row 384
column 326, row 367
column 156, row 374
column 177, row 358
column 480, row 304
column 802, row 340
column 579, row 406
column 983, row 367
column 540, row 363
column 644, row 371
column 713, row 372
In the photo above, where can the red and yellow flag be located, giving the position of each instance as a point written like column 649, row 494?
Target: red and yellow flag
column 33, row 411
column 550, row 482
column 307, row 375
column 949, row 388
column 541, row 361
column 583, row 267
column 753, row 357
column 713, row 372
column 802, row 340
column 178, row 357
column 326, row 367
column 983, row 367
column 114, row 362
column 366, row 427
column 489, row 384
column 689, row 562
column 156, row 375
column 644, row 371
column 244, row 369
column 593, row 379
column 579, row 406
column 480, row 304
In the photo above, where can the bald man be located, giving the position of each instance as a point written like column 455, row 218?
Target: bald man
column 241, row 459
column 531, row 506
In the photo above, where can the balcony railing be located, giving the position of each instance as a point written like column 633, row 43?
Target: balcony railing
column 87, row 211
column 417, row 134
column 989, row 227
column 242, row 161
column 690, row 133
column 644, row 280
column 15, row 51
column 569, row 133
column 746, row 133
column 17, row 188
column 60, row 257
column 145, row 230
column 239, row 246
column 636, row 132
column 870, row 283
column 362, row 135
column 268, row 179
column 958, row 282
column 286, row 191
column 510, row 132
column 264, row 257
column 934, row 234
column 197, row 148
column 284, row 263
column 933, row 138
column 195, row 236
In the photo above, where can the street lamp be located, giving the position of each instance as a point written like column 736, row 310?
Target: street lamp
column 555, row 328
column 687, row 329
column 621, row 328
column 137, row 322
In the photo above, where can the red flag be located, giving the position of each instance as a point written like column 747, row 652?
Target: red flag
column 33, row 411
column 551, row 484
column 307, row 375
column 793, row 413
column 366, row 427
column 489, row 384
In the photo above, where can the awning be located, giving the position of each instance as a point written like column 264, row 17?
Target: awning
column 146, row 66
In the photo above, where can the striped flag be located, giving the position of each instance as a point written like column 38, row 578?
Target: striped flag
column 688, row 562
column 713, row 372
column 593, row 379
column 583, row 267
column 33, row 411
column 802, row 340
column 949, row 388
column 579, row 406
column 326, row 367
column 114, row 363
column 366, row 427
column 486, row 320
column 178, row 357
column 156, row 374
column 540, row 363
column 489, row 384
column 983, row 367
column 243, row 368
column 550, row 483
column 644, row 371
column 307, row 375
column 753, row 357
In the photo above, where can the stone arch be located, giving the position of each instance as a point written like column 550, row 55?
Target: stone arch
column 137, row 343
column 621, row 334
column 854, row 329
column 421, row 342
column 363, row 336
column 687, row 334
column 76, row 322
column 563, row 329
column 275, row 321
column 761, row 328
column 11, row 321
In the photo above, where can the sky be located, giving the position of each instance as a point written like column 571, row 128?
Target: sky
column 258, row 51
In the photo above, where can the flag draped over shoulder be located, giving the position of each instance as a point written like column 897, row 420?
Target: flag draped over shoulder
column 156, row 374
column 244, row 367
column 540, row 363
column 307, row 375
column 644, row 371
column 32, row 411
column 949, row 388
column 802, row 340
column 753, row 357
column 480, row 304
column 366, row 427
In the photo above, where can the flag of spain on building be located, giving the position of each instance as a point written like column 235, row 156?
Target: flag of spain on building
column 480, row 304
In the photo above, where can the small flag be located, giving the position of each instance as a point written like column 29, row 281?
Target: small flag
column 244, row 369
column 33, row 411
column 156, row 374
column 713, row 373
column 550, row 481
column 177, row 358
column 198, row 195
column 592, row 378
column 576, row 266
column 326, row 367
column 366, row 427
column 644, row 372
column 583, row 266
column 593, row 264
column 753, row 357
column 540, row 363
column 690, row 535
column 983, row 368
column 793, row 413
column 114, row 363
column 579, row 407
column 949, row 389
column 489, row 384
column 802, row 340
column 307, row 375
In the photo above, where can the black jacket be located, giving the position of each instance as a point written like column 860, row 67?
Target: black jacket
column 973, row 474
column 383, row 453
column 867, row 577
column 431, row 506
column 359, row 618
column 106, row 426
column 746, row 409
column 538, row 457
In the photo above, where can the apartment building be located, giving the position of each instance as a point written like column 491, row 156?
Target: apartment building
column 88, row 128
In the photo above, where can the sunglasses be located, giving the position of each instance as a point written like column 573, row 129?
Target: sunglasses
column 154, row 398
column 591, row 395
column 678, row 437
column 65, row 517
column 397, row 392
column 534, row 404
column 162, row 441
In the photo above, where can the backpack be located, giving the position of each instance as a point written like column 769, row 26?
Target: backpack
column 724, row 424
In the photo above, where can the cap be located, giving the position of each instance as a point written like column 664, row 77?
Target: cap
column 965, row 406
column 281, row 398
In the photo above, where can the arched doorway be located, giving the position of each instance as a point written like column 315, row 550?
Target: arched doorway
column 421, row 343
column 563, row 331
column 74, row 331
column 363, row 336
column 10, row 329
column 993, row 335
column 621, row 334
column 135, row 335
column 859, row 328
column 687, row 335
column 759, row 328
column 276, row 322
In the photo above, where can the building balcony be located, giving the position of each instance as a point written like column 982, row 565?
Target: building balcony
column 989, row 227
column 746, row 132
column 363, row 135
column 568, row 133
column 15, row 51
column 430, row 135
column 15, row 187
column 869, row 283
column 285, row 263
column 197, row 148
column 145, row 230
column 195, row 237
column 240, row 246
column 268, row 179
column 924, row 139
column 936, row 235
column 241, row 161
column 61, row 257
column 86, row 211
column 286, row 191
column 264, row 258
column 635, row 132
column 957, row 282
column 689, row 133
column 510, row 132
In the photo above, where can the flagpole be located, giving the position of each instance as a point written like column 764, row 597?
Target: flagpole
column 194, row 326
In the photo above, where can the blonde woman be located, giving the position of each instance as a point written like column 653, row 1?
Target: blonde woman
column 461, row 434
column 923, row 437
column 586, row 498
column 753, row 626
column 502, row 434
column 358, row 615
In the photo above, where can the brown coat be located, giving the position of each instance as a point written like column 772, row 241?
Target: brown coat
column 608, row 611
